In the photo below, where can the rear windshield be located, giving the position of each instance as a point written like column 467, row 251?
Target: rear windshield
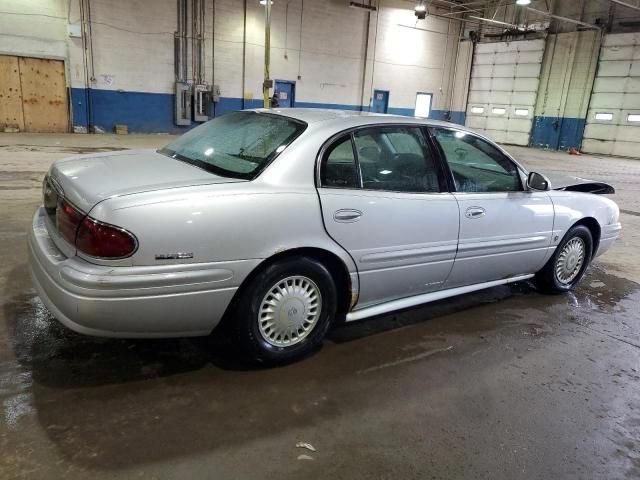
column 238, row 145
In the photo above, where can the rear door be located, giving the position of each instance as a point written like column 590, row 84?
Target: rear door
column 505, row 231
column 383, row 200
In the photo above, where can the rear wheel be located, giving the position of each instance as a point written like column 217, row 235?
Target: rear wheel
column 566, row 267
column 285, row 311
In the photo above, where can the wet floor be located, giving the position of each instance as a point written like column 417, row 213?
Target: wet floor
column 501, row 384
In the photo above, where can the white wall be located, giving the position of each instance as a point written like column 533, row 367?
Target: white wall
column 325, row 46
column 411, row 60
column 35, row 28
column 321, row 48
column 328, row 55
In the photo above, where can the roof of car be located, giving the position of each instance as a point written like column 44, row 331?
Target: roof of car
column 318, row 115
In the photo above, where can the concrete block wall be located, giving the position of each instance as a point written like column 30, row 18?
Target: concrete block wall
column 131, row 77
column 126, row 74
column 412, row 57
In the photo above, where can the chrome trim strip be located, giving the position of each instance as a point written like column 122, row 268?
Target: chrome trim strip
column 409, row 254
column 510, row 242
column 426, row 298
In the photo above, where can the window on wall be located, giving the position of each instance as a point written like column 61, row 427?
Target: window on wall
column 499, row 110
column 633, row 117
column 477, row 109
column 606, row 117
column 522, row 112
column 423, row 105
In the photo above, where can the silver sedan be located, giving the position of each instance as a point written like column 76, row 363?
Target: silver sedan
column 279, row 222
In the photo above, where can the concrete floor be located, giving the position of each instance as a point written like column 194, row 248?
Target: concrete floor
column 501, row 384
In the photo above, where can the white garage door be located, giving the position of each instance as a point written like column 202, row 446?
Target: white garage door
column 613, row 121
column 504, row 87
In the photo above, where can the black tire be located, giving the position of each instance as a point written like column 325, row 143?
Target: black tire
column 246, row 320
column 546, row 280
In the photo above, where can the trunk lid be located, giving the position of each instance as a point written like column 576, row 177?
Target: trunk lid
column 87, row 180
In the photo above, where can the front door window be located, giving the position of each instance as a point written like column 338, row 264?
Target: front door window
column 476, row 165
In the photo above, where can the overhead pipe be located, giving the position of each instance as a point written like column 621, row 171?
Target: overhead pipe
column 625, row 4
column 244, row 52
column 201, row 32
column 564, row 19
column 267, row 53
column 364, row 62
column 185, row 71
column 194, row 46
column 496, row 22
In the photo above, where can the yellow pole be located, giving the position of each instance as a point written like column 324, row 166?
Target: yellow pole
column 267, row 52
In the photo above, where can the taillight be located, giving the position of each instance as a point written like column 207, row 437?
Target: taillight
column 91, row 236
column 67, row 221
column 102, row 240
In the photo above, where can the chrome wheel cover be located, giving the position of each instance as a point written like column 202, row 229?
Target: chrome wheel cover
column 570, row 260
column 289, row 311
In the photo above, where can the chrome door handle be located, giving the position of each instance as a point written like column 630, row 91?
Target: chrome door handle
column 346, row 215
column 475, row 212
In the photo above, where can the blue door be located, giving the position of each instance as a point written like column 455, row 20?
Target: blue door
column 285, row 92
column 380, row 101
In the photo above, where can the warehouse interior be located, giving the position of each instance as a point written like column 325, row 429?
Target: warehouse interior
column 503, row 383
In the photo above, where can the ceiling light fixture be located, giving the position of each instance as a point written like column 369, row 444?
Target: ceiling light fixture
column 523, row 2
column 420, row 10
column 264, row 2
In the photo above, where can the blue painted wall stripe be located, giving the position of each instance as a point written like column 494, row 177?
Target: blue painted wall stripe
column 154, row 112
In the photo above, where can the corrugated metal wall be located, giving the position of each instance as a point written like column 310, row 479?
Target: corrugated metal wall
column 568, row 73
column 613, row 121
column 503, row 90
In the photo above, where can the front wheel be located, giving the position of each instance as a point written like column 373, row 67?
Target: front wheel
column 284, row 312
column 566, row 267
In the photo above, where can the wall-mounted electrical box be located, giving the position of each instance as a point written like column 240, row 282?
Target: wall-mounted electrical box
column 201, row 102
column 74, row 30
column 183, row 104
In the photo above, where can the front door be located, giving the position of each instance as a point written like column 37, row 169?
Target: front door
column 285, row 92
column 380, row 101
column 384, row 201
column 505, row 231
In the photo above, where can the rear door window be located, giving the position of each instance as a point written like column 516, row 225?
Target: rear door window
column 396, row 159
column 339, row 168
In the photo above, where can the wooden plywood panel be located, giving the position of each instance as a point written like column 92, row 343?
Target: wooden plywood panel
column 44, row 95
column 10, row 93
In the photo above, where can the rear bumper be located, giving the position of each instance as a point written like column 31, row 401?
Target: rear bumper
column 132, row 302
column 609, row 234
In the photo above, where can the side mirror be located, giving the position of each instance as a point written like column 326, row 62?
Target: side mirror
column 537, row 181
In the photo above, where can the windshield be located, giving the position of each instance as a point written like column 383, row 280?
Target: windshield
column 238, row 145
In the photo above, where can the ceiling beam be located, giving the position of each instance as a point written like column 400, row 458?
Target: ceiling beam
column 626, row 4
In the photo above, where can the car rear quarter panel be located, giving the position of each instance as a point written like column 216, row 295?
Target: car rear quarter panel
column 218, row 223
